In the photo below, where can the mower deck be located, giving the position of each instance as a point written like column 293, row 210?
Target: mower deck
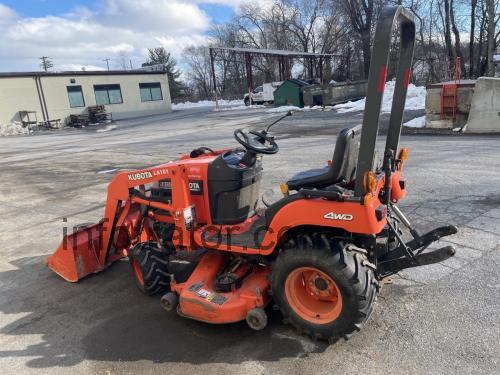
column 199, row 298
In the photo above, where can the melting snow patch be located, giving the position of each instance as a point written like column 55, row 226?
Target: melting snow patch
column 206, row 103
column 242, row 107
column 14, row 128
column 286, row 109
column 106, row 129
column 418, row 122
column 415, row 100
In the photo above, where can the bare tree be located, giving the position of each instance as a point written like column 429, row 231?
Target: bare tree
column 472, row 36
column 122, row 61
column 447, row 32
column 456, row 33
column 199, row 71
column 491, row 37
column 346, row 27
column 361, row 14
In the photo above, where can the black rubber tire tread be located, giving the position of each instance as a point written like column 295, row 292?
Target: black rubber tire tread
column 349, row 269
column 153, row 262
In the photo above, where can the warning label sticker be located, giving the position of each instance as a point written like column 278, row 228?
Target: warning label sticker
column 216, row 298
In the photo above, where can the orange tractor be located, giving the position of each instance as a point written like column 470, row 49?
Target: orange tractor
column 193, row 231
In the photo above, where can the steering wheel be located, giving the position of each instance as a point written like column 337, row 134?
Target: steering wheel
column 260, row 144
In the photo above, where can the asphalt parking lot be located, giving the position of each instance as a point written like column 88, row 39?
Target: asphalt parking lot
column 443, row 318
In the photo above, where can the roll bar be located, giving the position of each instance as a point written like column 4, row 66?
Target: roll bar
column 389, row 18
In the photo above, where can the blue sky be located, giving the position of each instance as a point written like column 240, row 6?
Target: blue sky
column 40, row 8
column 81, row 33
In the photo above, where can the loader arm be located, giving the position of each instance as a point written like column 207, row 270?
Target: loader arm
column 93, row 248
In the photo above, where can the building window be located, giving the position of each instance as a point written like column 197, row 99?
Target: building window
column 108, row 94
column 75, row 96
column 150, row 92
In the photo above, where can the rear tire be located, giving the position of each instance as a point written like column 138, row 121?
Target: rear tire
column 323, row 288
column 150, row 265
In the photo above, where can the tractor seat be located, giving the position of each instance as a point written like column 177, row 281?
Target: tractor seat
column 342, row 169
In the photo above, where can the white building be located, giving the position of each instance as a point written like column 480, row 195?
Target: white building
column 53, row 96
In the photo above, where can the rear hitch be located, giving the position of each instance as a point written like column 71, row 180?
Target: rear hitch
column 410, row 254
column 431, row 257
column 424, row 241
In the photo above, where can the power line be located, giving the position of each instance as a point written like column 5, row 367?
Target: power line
column 46, row 63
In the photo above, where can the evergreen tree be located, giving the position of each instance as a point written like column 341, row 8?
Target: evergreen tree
column 159, row 56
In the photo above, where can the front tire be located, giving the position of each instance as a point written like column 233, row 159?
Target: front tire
column 323, row 288
column 257, row 319
column 150, row 265
column 169, row 301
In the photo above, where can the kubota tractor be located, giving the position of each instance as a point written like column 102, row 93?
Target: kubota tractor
column 193, row 231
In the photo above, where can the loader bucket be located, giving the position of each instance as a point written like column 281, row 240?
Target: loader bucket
column 78, row 254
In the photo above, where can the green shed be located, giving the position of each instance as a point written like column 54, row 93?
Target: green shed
column 290, row 93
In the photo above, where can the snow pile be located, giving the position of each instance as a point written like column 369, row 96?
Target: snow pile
column 206, row 103
column 14, row 128
column 418, row 122
column 415, row 100
column 321, row 108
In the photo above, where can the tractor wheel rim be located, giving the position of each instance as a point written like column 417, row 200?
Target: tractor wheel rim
column 138, row 272
column 313, row 295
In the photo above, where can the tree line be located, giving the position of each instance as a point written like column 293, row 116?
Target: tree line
column 446, row 30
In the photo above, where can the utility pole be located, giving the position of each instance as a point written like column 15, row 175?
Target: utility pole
column 131, row 67
column 107, row 62
column 46, row 63
column 491, row 37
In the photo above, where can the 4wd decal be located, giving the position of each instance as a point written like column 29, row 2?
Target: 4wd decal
column 335, row 216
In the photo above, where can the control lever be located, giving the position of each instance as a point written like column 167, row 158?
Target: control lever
column 261, row 140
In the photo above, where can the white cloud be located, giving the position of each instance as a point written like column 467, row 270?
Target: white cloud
column 235, row 3
column 116, row 29
column 178, row 17
column 6, row 12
